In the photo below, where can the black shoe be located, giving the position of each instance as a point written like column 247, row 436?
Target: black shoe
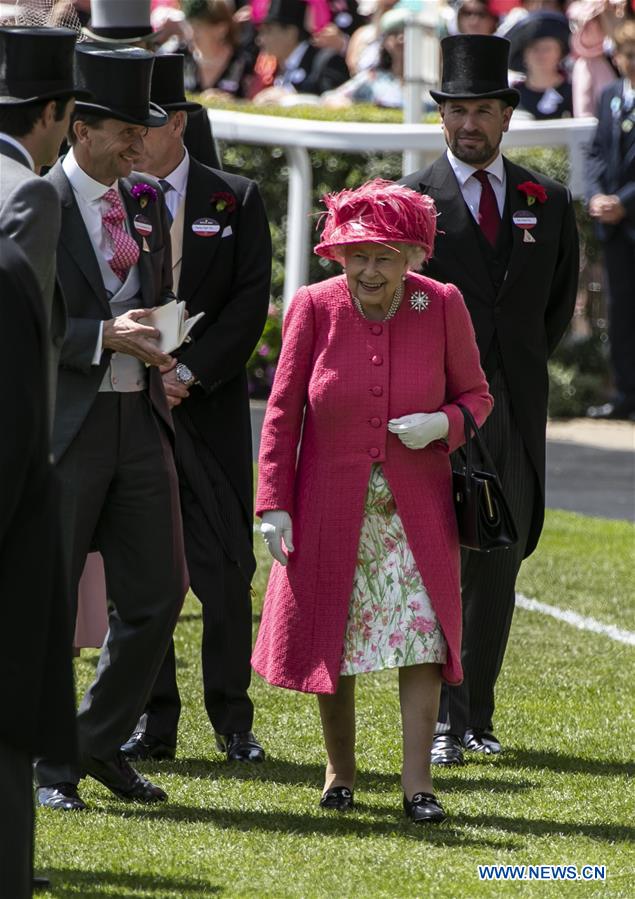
column 338, row 798
column 122, row 779
column 243, row 747
column 447, row 749
column 612, row 411
column 62, row 797
column 424, row 808
column 41, row 883
column 482, row 741
column 141, row 747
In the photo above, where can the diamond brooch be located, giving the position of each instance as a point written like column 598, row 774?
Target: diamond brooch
column 419, row 301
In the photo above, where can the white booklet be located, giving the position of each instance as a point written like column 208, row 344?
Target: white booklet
column 170, row 320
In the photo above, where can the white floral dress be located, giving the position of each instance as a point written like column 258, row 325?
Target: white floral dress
column 391, row 622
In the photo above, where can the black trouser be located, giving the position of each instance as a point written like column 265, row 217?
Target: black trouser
column 119, row 491
column 619, row 259
column 220, row 563
column 488, row 580
column 16, row 844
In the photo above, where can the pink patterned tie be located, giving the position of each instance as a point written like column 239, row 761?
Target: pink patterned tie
column 126, row 250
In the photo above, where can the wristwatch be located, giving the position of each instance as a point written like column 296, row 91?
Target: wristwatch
column 184, row 375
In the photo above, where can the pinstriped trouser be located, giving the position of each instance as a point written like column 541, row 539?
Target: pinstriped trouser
column 488, row 580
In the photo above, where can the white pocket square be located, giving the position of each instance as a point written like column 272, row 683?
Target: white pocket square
column 227, row 232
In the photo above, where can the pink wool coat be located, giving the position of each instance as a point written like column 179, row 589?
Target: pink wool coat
column 339, row 380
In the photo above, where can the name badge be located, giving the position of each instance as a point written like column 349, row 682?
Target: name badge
column 206, row 227
column 142, row 225
column 524, row 219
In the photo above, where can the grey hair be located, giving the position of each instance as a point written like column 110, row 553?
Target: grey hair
column 415, row 255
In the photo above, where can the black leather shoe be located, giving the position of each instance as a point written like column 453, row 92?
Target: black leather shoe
column 338, row 798
column 141, row 747
column 41, row 883
column 62, row 797
column 243, row 747
column 122, row 779
column 447, row 749
column 481, row 741
column 611, row 412
column 424, row 808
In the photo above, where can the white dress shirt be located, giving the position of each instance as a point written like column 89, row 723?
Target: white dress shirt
column 177, row 179
column 89, row 195
column 18, row 146
column 471, row 188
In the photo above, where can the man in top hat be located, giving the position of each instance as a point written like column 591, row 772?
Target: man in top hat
column 124, row 24
column 119, row 490
column 507, row 238
column 221, row 257
column 37, row 96
column 302, row 68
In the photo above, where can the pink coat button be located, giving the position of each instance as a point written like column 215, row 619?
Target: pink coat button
column 377, row 359
column 376, row 329
column 373, row 452
column 377, row 390
column 375, row 422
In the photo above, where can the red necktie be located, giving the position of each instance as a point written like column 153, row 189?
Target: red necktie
column 125, row 248
column 488, row 215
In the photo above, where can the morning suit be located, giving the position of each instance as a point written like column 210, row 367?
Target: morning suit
column 30, row 215
column 340, row 379
column 611, row 170
column 36, row 680
column 111, row 443
column 520, row 294
column 226, row 276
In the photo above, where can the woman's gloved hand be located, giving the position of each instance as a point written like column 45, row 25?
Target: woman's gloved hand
column 275, row 527
column 416, row 431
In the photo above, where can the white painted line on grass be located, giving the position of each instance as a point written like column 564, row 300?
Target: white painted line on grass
column 582, row 622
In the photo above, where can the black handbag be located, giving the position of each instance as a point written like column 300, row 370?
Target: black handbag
column 483, row 516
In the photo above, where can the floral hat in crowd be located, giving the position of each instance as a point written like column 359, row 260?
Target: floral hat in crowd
column 378, row 212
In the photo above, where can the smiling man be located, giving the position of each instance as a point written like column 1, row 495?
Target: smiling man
column 507, row 238
column 119, row 490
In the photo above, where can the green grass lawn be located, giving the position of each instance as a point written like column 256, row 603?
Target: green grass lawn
column 560, row 793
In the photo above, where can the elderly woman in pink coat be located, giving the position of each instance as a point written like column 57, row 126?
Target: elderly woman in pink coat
column 355, row 481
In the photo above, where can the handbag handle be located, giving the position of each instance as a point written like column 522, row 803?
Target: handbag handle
column 471, row 428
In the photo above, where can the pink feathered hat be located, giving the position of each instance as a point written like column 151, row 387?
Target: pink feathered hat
column 378, row 212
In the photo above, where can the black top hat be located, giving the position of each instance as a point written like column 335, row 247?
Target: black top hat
column 120, row 83
column 287, row 12
column 37, row 64
column 168, row 89
column 119, row 23
column 474, row 68
column 532, row 28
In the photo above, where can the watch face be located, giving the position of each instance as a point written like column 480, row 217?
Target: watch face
column 183, row 374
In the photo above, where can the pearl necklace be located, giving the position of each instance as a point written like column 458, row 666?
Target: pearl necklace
column 396, row 302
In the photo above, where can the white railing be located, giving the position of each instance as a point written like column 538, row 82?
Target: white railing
column 298, row 136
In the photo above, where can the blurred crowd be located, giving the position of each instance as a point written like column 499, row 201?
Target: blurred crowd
column 341, row 52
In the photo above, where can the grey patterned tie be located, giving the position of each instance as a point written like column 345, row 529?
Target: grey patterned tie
column 166, row 187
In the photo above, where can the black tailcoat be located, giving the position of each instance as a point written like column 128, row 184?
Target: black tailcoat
column 228, row 278
column 87, row 303
column 36, row 680
column 529, row 313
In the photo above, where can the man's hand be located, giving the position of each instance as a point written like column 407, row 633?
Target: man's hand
column 607, row 209
column 175, row 391
column 125, row 334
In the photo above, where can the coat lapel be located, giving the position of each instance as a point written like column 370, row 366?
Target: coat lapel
column 455, row 221
column 146, row 276
column 516, row 201
column 75, row 237
column 199, row 252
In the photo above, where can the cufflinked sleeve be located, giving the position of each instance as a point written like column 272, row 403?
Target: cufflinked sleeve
column 466, row 384
column 282, row 426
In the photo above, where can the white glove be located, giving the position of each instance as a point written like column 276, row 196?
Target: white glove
column 276, row 526
column 416, row 431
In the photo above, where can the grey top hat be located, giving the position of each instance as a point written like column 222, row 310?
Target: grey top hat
column 120, row 83
column 474, row 68
column 37, row 64
column 119, row 21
